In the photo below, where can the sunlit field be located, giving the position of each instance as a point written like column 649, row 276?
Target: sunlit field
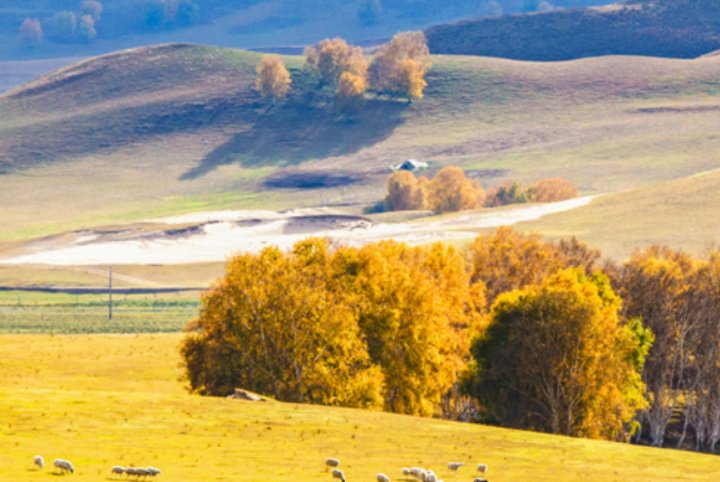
column 104, row 400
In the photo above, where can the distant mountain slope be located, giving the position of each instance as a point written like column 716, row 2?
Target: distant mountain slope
column 669, row 28
column 169, row 129
column 238, row 23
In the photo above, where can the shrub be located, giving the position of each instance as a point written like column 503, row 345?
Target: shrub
column 273, row 79
column 552, row 190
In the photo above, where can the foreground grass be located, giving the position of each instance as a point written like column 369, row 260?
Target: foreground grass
column 115, row 399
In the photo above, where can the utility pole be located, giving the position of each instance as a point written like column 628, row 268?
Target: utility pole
column 109, row 292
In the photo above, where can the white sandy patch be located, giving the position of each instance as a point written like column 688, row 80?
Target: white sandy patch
column 229, row 232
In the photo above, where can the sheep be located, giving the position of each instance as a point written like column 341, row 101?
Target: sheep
column 152, row 471
column 454, row 466
column 38, row 462
column 417, row 472
column 431, row 477
column 406, row 472
column 482, row 468
column 64, row 466
column 479, row 479
column 382, row 477
column 117, row 470
column 338, row 474
column 332, row 462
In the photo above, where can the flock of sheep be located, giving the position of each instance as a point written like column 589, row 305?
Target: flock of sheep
column 419, row 474
column 66, row 467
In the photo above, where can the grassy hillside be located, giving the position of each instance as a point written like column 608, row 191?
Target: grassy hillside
column 671, row 28
column 105, row 400
column 678, row 213
column 169, row 129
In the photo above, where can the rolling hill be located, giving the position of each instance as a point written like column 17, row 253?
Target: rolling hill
column 230, row 23
column 671, row 28
column 178, row 128
column 103, row 400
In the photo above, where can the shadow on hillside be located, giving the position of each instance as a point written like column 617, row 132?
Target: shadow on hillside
column 291, row 134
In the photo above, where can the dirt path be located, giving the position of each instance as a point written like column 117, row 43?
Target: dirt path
column 218, row 235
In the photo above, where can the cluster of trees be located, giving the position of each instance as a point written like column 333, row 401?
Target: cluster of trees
column 542, row 191
column 513, row 330
column 451, row 190
column 386, row 326
column 65, row 25
column 398, row 69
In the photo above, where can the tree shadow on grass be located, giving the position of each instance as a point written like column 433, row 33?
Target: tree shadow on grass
column 291, row 134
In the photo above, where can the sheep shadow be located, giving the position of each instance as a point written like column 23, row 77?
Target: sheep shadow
column 296, row 132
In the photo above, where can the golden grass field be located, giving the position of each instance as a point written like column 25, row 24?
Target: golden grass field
column 102, row 400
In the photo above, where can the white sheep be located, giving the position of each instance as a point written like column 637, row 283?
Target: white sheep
column 418, row 473
column 338, row 474
column 482, row 468
column 117, row 470
column 382, row 477
column 454, row 466
column 406, row 472
column 64, row 466
column 431, row 477
column 479, row 479
column 332, row 462
column 39, row 462
column 152, row 471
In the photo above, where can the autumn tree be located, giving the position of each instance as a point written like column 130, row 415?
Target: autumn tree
column 406, row 192
column 654, row 285
column 416, row 314
column 31, row 32
column 329, row 59
column 273, row 79
column 274, row 325
column 350, row 90
column 399, row 68
column 449, row 190
column 556, row 358
column 507, row 193
column 507, row 260
column 552, row 190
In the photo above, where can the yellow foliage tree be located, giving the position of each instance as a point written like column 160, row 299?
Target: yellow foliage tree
column 416, row 313
column 273, row 79
column 508, row 260
column 274, row 325
column 552, row 190
column 450, row 190
column 400, row 66
column 350, row 89
column 329, row 59
column 557, row 358
column 406, row 192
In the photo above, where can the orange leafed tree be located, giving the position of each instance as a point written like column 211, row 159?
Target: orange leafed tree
column 450, row 190
column 400, row 66
column 329, row 59
column 273, row 79
column 551, row 190
column 406, row 192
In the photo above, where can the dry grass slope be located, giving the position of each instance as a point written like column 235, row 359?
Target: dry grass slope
column 105, row 400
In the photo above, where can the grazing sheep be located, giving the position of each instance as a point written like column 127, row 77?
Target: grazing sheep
column 454, row 466
column 482, row 468
column 382, row 477
column 117, row 470
column 332, row 462
column 418, row 473
column 39, row 462
column 431, row 477
column 406, row 472
column 64, row 466
column 338, row 474
column 152, row 471
column 479, row 479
